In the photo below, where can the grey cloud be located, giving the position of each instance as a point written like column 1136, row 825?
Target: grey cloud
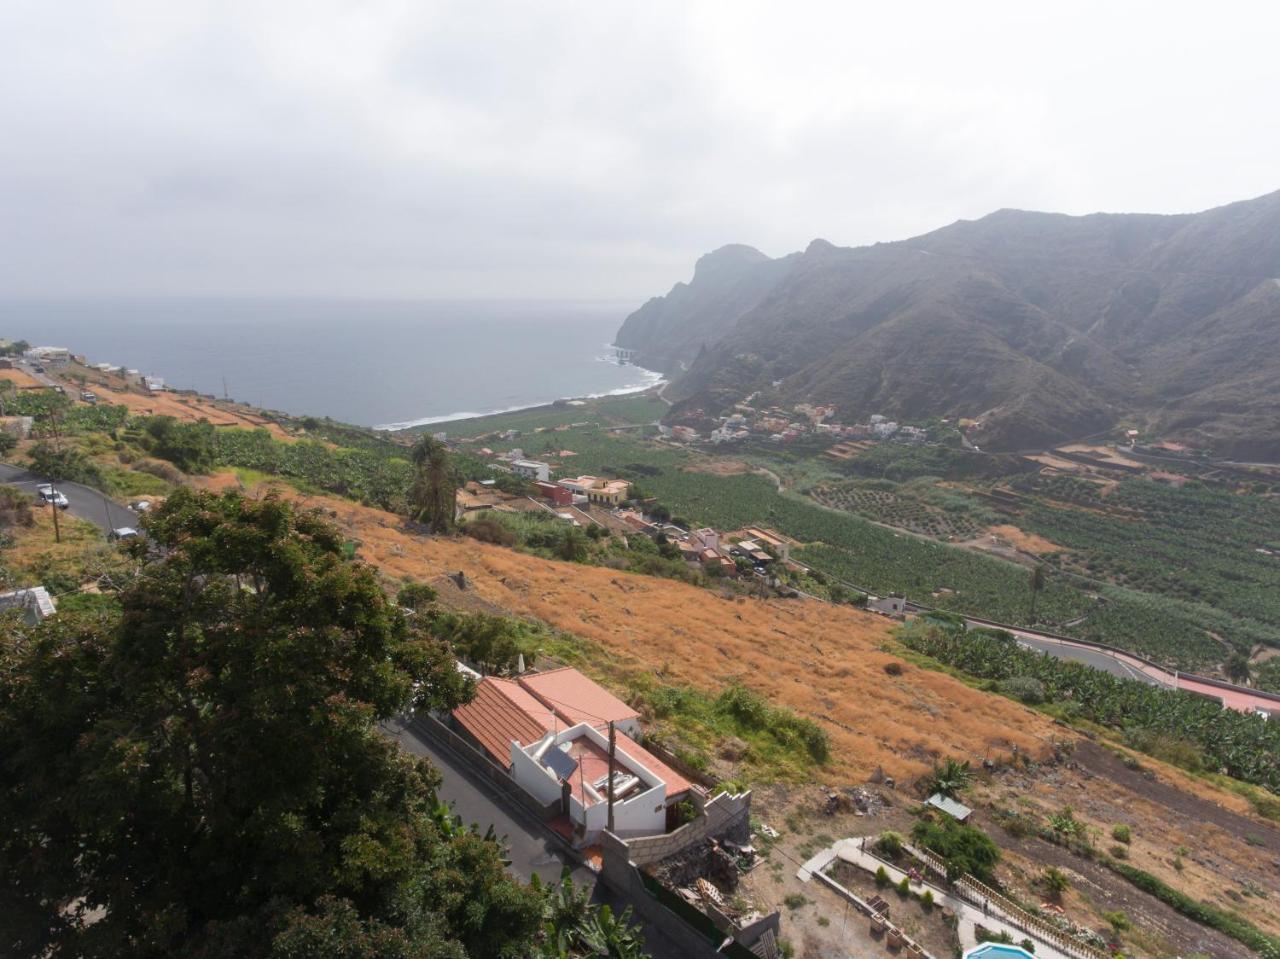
column 586, row 150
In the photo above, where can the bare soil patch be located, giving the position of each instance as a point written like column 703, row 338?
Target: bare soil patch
column 1027, row 542
column 719, row 467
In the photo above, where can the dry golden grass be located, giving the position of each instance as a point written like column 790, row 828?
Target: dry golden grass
column 20, row 379
column 819, row 660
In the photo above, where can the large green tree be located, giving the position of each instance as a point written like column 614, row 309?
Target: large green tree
column 201, row 773
column 435, row 484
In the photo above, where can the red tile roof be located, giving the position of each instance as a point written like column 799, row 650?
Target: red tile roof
column 676, row 783
column 501, row 712
column 577, row 699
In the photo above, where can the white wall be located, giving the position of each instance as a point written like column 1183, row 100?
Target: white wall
column 643, row 814
column 533, row 777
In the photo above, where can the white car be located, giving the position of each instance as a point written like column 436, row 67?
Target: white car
column 121, row 533
column 49, row 495
column 140, row 506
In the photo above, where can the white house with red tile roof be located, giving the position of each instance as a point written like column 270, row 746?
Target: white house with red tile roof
column 573, row 765
column 520, row 724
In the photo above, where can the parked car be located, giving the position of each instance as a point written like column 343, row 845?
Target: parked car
column 140, row 505
column 38, row 368
column 121, row 533
column 89, row 396
column 48, row 495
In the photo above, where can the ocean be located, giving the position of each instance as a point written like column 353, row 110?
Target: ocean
column 373, row 363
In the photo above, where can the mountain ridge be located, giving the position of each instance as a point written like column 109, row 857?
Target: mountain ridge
column 1045, row 327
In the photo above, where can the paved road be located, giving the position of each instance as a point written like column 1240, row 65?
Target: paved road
column 1083, row 654
column 85, row 502
column 529, row 847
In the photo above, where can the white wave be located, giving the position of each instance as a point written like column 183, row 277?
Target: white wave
column 651, row 378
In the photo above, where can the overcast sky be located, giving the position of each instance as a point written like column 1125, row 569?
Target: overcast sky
column 592, row 149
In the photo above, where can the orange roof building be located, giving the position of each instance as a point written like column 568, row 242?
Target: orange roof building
column 502, row 713
column 576, row 699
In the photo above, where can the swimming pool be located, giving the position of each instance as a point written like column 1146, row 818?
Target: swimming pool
column 997, row 950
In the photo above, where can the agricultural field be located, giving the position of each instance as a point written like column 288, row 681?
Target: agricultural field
column 1150, row 718
column 926, row 509
column 1175, row 631
column 605, row 411
column 1195, row 543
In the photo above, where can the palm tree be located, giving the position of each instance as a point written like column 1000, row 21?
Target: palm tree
column 1055, row 882
column 434, row 490
column 949, row 778
column 1238, row 668
column 1037, row 584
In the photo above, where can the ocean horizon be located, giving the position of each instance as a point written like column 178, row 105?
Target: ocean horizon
column 385, row 364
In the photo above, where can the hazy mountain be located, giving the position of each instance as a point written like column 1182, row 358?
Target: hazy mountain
column 1043, row 326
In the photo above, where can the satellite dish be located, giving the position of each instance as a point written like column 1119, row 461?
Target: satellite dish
column 560, row 763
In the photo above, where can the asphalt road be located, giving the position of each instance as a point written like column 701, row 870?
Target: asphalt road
column 529, row 848
column 85, row 502
column 1090, row 657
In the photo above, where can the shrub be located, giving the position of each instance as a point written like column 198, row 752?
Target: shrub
column 1119, row 852
column 926, row 899
column 795, row 900
column 889, row 844
column 189, row 446
column 15, row 506
column 64, row 464
column 893, row 668
column 1120, row 833
column 161, row 470
column 964, row 849
column 882, row 878
column 1118, row 920
column 488, row 530
column 1026, row 689
column 416, row 596
column 1054, row 881
column 904, row 887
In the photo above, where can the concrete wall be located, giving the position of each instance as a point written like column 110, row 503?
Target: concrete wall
column 725, row 814
column 621, row 875
column 622, row 878
column 534, row 778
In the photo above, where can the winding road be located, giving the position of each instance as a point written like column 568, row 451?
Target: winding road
column 85, row 502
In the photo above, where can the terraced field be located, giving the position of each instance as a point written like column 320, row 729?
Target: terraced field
column 903, row 511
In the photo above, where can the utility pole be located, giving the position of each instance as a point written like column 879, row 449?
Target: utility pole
column 53, row 505
column 613, row 743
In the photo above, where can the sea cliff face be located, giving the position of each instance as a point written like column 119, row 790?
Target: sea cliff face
column 1042, row 326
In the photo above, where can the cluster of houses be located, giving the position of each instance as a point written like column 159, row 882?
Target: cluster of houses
column 777, row 425
column 751, row 549
column 60, row 356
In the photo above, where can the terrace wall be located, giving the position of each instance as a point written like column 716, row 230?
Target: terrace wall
column 725, row 813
